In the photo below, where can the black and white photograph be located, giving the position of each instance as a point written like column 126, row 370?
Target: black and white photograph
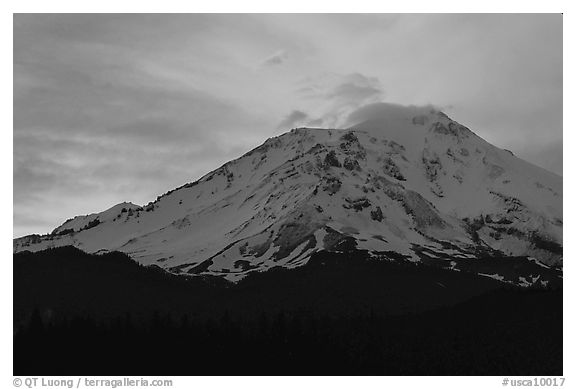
column 288, row 194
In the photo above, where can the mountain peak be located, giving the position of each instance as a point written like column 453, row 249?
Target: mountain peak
column 402, row 182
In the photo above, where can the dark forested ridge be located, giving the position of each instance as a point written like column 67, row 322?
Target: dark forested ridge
column 82, row 314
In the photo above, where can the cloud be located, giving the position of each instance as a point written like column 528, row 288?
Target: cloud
column 357, row 88
column 332, row 97
column 56, row 177
column 353, row 92
column 382, row 111
column 315, row 123
column 276, row 59
column 293, row 119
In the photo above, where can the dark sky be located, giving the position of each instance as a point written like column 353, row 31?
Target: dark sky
column 111, row 108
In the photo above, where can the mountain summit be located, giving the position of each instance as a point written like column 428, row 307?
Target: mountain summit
column 404, row 183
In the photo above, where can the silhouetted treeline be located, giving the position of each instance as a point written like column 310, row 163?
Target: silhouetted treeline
column 81, row 314
column 501, row 333
column 69, row 282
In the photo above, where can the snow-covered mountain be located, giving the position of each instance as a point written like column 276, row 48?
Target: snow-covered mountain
column 407, row 184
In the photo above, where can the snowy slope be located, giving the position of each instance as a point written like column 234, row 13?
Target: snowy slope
column 409, row 182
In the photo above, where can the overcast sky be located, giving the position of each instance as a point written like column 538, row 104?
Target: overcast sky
column 111, row 108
